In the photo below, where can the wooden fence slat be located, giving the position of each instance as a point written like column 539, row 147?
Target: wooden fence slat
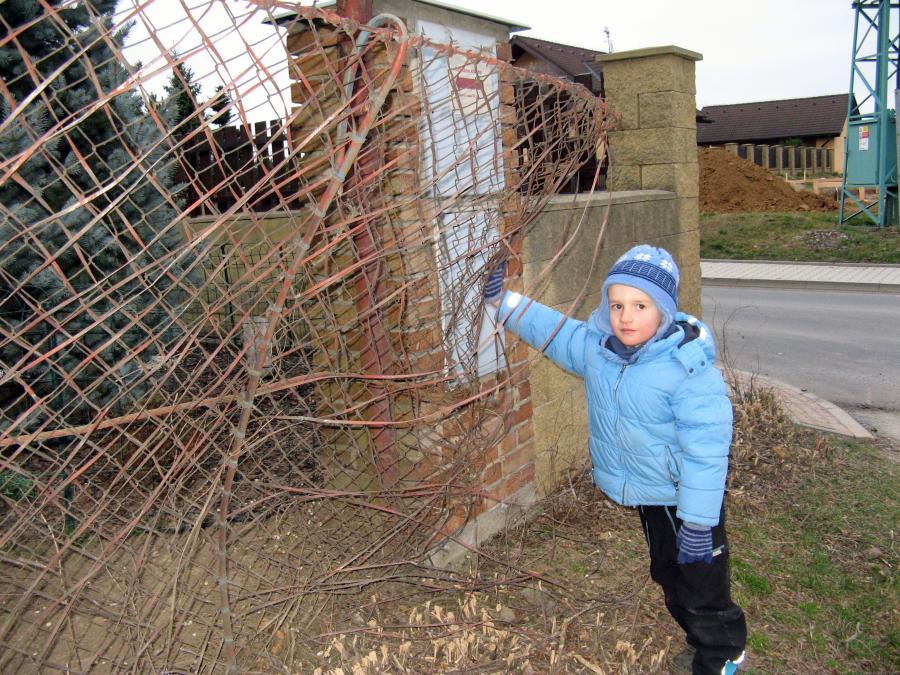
column 789, row 160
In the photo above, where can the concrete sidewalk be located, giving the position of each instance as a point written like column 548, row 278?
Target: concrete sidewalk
column 805, row 408
column 831, row 276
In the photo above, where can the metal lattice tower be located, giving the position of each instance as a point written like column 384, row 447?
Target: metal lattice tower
column 871, row 148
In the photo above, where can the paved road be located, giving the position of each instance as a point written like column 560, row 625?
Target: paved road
column 842, row 346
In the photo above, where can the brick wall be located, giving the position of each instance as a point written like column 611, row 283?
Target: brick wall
column 477, row 436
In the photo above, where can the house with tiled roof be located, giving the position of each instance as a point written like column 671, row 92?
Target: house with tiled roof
column 576, row 64
column 553, row 58
column 813, row 122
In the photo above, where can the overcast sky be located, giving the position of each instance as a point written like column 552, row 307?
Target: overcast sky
column 752, row 51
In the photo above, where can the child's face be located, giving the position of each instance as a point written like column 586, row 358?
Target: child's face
column 632, row 314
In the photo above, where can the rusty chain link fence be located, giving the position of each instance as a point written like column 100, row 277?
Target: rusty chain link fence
column 245, row 369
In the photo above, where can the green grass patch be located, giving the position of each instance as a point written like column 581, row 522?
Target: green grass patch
column 15, row 486
column 823, row 585
column 758, row 643
column 754, row 583
column 807, row 237
column 579, row 568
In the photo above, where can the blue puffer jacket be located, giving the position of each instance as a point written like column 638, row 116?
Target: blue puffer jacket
column 660, row 427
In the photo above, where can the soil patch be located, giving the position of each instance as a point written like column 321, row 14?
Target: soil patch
column 730, row 184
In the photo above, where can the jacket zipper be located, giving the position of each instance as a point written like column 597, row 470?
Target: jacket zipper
column 669, row 460
column 618, row 434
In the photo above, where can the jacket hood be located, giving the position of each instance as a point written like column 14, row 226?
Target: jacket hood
column 696, row 333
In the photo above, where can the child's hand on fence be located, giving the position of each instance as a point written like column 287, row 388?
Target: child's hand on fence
column 493, row 284
column 694, row 544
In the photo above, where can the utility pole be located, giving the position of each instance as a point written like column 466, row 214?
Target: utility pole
column 870, row 151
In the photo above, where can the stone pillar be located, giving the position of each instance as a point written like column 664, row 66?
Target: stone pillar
column 655, row 146
column 732, row 148
column 747, row 149
column 779, row 158
column 765, row 156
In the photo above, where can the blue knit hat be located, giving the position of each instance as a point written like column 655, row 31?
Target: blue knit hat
column 651, row 270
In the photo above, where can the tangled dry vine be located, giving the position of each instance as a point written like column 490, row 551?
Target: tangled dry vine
column 244, row 369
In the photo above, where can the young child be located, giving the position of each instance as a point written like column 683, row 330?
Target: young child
column 660, row 425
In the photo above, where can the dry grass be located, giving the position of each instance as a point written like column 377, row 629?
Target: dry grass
column 569, row 591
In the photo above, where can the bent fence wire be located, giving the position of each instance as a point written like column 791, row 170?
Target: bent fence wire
column 243, row 371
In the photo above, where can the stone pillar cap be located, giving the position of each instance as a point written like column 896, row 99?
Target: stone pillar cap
column 650, row 51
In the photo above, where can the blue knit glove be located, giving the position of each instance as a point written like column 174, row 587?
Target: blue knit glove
column 493, row 285
column 694, row 543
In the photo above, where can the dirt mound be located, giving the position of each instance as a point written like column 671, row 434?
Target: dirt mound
column 730, row 184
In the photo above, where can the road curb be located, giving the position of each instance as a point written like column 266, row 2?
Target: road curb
column 792, row 263
column 809, row 410
column 831, row 276
column 848, row 286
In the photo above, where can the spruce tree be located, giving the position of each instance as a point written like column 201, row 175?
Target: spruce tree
column 93, row 272
column 183, row 98
column 220, row 103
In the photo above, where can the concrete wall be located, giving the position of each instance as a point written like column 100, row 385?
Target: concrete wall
column 788, row 161
column 653, row 178
column 571, row 283
column 835, row 146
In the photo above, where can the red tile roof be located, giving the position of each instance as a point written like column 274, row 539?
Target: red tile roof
column 816, row 116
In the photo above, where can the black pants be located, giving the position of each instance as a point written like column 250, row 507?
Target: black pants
column 697, row 595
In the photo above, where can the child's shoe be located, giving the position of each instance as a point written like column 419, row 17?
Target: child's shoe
column 683, row 662
column 731, row 667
